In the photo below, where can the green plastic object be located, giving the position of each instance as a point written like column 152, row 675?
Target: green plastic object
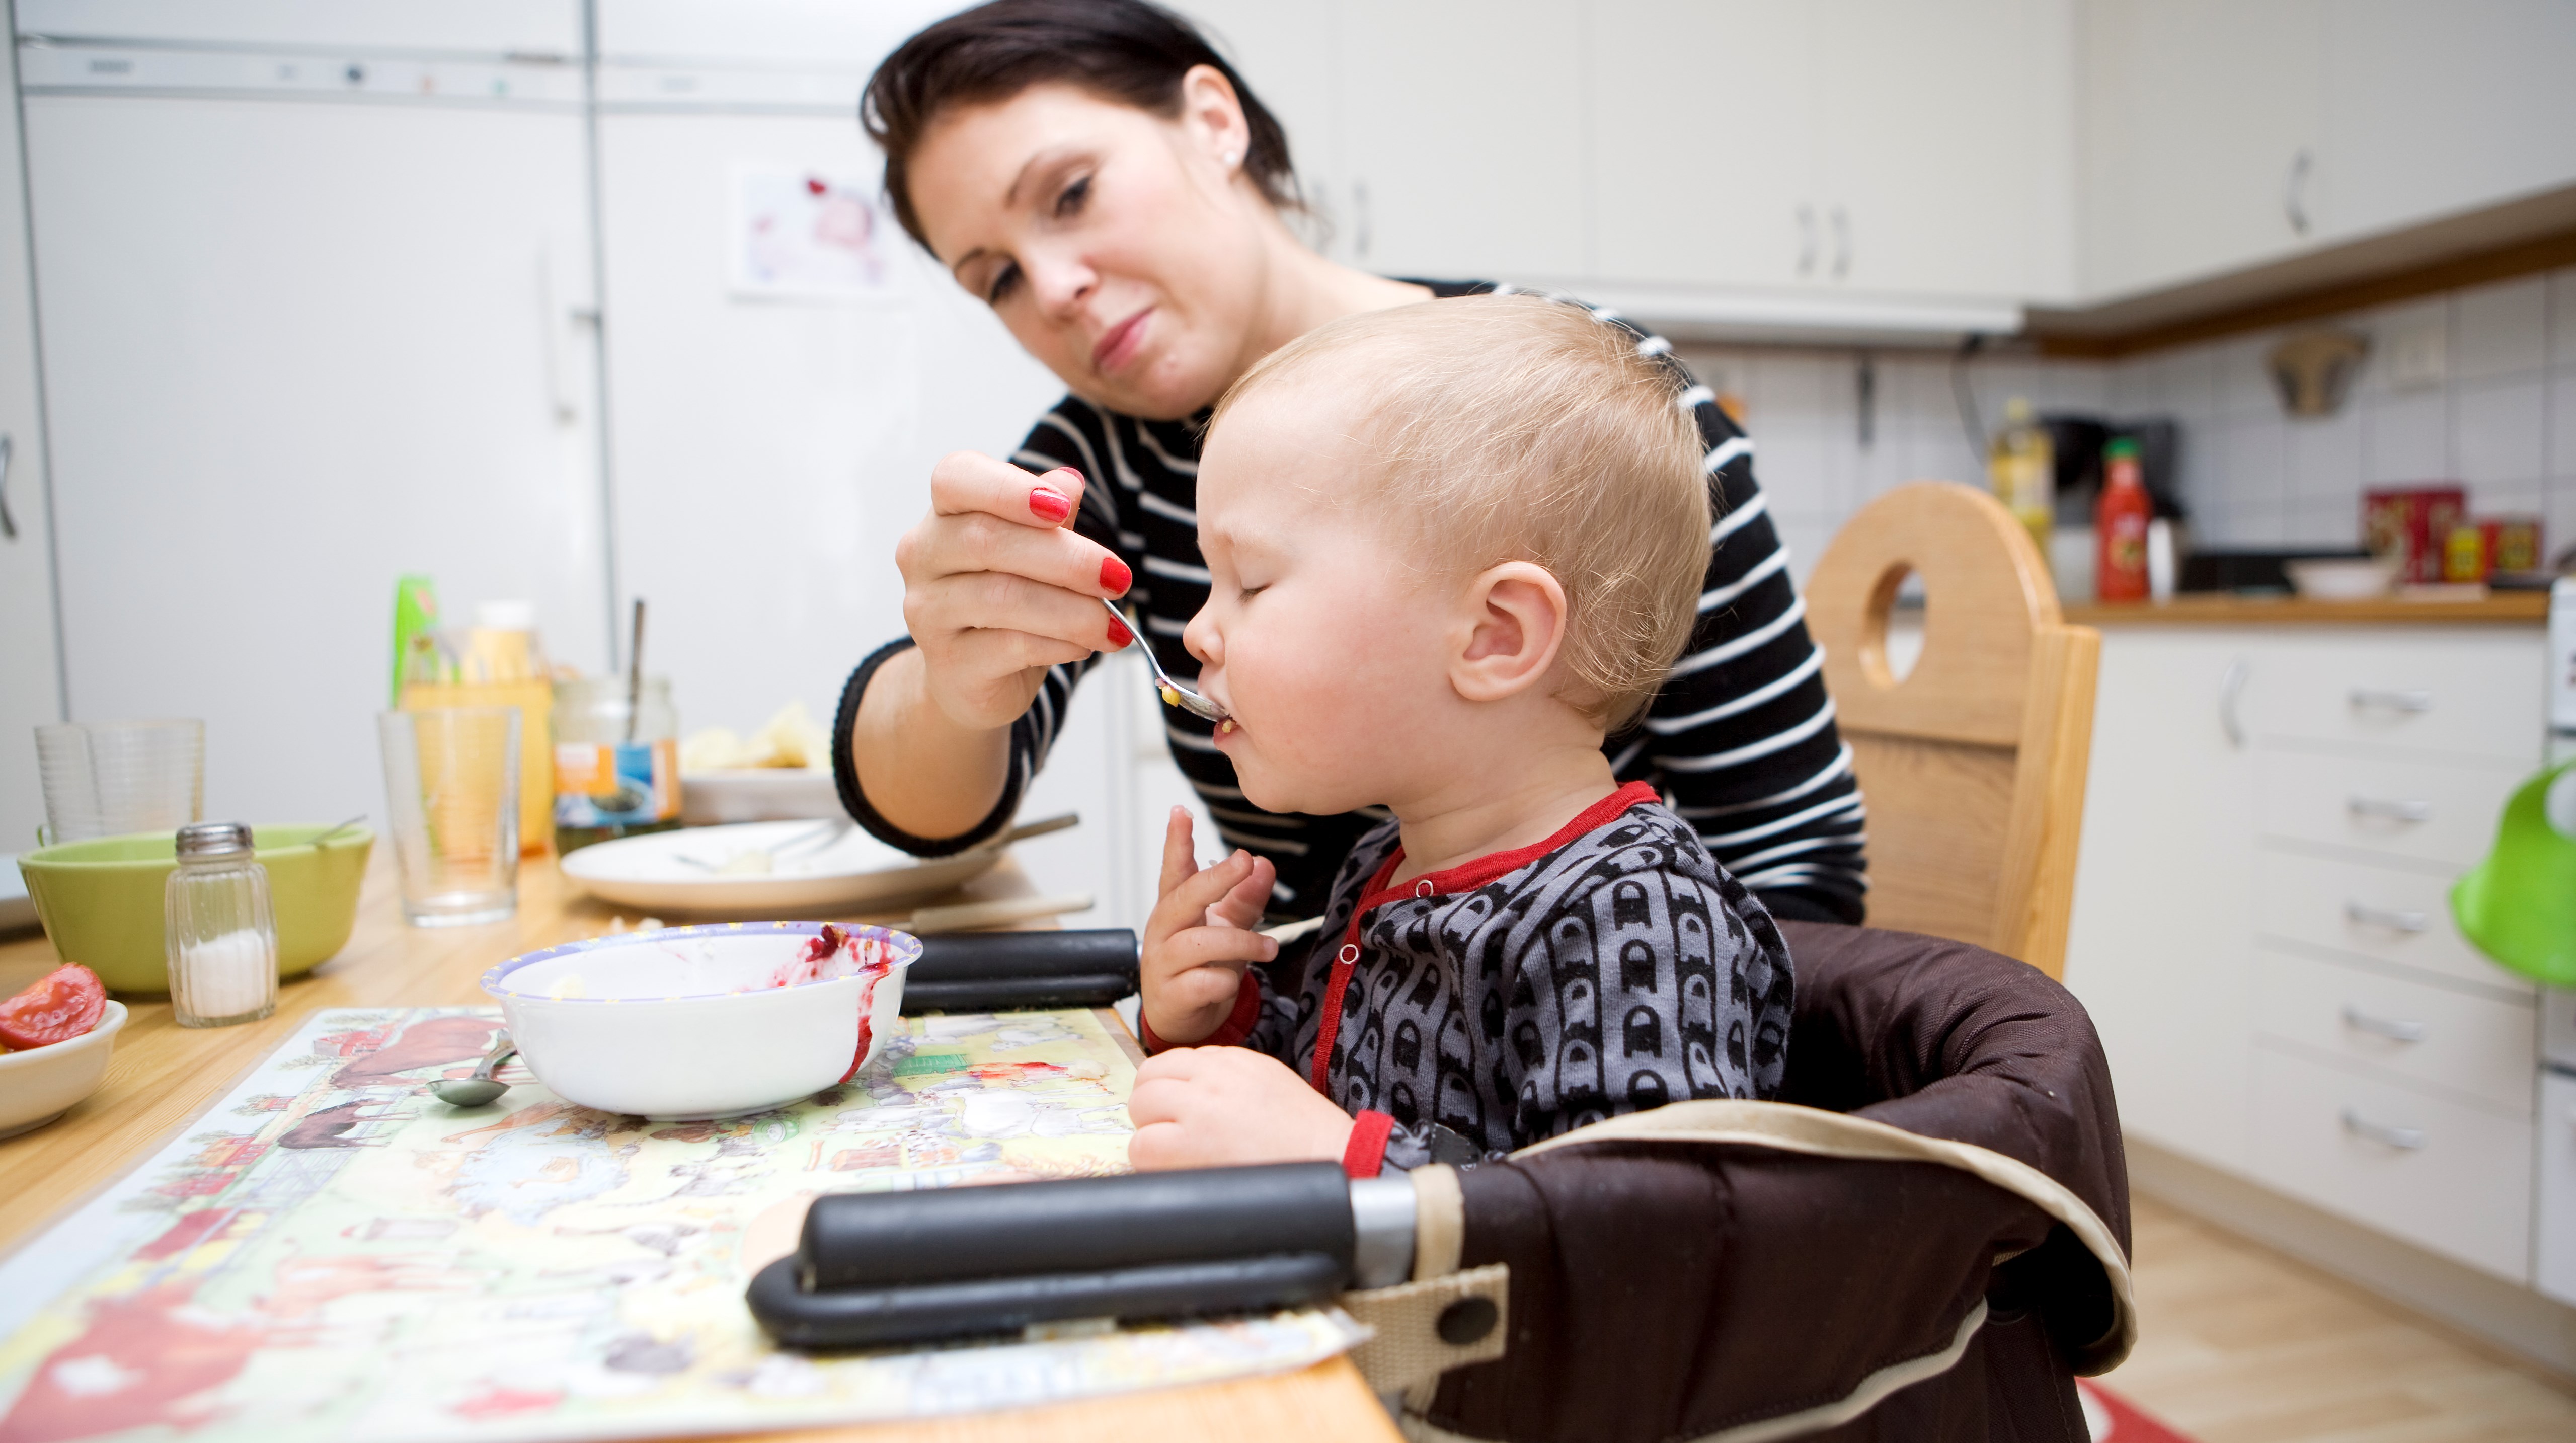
column 2519, row 905
column 100, row 900
column 415, row 617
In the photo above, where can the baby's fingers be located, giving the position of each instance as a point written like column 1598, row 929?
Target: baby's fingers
column 1180, row 861
column 1243, row 904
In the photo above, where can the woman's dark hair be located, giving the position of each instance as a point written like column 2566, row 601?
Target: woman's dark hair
column 1123, row 50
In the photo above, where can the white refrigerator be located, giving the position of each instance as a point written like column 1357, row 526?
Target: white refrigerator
column 775, row 404
column 315, row 282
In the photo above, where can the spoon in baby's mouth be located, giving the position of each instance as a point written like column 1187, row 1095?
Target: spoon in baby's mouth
column 1174, row 694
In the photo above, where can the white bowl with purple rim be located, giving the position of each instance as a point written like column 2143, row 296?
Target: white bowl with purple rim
column 713, row 1021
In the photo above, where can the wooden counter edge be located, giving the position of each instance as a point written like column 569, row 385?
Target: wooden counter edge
column 2502, row 608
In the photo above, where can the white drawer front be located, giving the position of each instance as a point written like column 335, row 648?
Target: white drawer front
column 2387, row 913
column 2431, row 811
column 2427, row 1034
column 2554, row 1269
column 2475, row 692
column 2446, row 1176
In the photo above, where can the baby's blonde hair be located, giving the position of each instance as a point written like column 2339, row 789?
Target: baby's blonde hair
column 1518, row 428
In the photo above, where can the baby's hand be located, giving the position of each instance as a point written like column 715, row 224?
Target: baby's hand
column 1226, row 1107
column 1200, row 937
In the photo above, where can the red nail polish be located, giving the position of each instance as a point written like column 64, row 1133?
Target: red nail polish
column 1119, row 635
column 1114, row 576
column 1049, row 505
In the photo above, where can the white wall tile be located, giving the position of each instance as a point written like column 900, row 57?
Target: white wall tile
column 2243, row 378
column 2325, row 456
column 2384, row 326
column 2562, row 317
column 2561, row 426
column 2497, row 434
column 2558, row 524
column 2334, row 521
column 2252, row 459
column 2407, row 438
column 2501, row 330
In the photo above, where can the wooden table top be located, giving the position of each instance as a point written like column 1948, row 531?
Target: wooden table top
column 162, row 1074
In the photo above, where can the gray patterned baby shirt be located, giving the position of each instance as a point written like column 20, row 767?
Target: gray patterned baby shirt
column 1612, row 968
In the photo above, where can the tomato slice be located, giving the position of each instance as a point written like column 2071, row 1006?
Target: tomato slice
column 63, row 1004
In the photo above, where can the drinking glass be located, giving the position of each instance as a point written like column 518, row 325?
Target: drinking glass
column 452, row 790
column 104, row 779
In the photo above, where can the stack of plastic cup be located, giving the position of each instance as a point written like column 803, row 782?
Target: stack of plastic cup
column 105, row 779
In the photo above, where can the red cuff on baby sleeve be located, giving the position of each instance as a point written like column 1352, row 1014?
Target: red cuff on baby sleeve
column 1236, row 1027
column 1366, row 1153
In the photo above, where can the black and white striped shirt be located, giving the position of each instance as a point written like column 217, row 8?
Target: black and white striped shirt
column 1740, row 740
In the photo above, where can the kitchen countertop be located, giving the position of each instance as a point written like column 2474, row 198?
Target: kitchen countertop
column 2529, row 608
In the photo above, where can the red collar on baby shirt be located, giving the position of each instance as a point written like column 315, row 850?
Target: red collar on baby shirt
column 1465, row 877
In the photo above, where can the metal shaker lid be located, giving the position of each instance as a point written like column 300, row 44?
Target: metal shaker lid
column 215, row 839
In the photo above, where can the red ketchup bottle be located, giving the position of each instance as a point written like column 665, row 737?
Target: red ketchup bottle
column 2120, row 520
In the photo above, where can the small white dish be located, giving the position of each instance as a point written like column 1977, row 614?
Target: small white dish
column 2342, row 578
column 702, row 1022
column 41, row 1083
column 757, row 794
column 683, row 871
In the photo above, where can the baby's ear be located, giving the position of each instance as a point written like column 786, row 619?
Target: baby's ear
column 1514, row 625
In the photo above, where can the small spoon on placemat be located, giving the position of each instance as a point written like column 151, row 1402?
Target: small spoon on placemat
column 480, row 1088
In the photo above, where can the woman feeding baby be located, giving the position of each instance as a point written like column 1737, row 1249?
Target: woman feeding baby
column 1451, row 546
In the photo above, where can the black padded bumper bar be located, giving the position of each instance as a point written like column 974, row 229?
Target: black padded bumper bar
column 1016, row 971
column 916, row 1266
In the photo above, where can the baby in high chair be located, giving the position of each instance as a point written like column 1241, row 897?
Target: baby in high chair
column 1452, row 546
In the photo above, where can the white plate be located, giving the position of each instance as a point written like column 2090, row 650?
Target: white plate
column 757, row 794
column 855, row 871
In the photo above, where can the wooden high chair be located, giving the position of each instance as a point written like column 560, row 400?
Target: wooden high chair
column 1973, row 764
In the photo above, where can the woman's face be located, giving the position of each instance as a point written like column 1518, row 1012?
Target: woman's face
column 1123, row 249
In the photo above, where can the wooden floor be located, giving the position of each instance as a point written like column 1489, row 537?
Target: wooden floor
column 2241, row 1345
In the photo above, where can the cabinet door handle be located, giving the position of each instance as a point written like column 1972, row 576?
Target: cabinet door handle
column 2393, row 1030
column 2404, row 1139
column 1359, row 220
column 2387, row 809
column 8, row 523
column 2231, row 687
column 2389, row 917
column 1842, row 243
column 1806, row 240
column 2365, row 698
column 2294, row 191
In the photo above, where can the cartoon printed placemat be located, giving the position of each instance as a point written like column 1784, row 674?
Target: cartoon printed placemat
column 332, row 1253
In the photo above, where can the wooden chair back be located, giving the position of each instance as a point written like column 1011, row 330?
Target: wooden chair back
column 1973, row 764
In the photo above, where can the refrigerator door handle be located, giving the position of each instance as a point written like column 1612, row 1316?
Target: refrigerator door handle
column 553, row 319
column 8, row 523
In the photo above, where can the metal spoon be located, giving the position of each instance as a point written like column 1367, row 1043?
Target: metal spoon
column 1173, row 692
column 335, row 831
column 478, row 1089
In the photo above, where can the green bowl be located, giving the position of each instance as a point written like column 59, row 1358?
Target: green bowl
column 100, row 900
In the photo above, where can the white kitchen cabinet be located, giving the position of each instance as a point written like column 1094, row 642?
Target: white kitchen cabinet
column 2262, row 930
column 1942, row 150
column 2201, row 121
column 1463, row 124
column 1854, row 146
column 30, row 663
column 2431, row 110
column 2157, row 948
column 1703, row 143
column 2554, row 1261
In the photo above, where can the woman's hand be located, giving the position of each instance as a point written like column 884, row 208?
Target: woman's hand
column 997, row 587
column 1201, row 937
column 1228, row 1106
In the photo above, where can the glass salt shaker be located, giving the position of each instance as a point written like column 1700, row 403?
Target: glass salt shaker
column 217, row 929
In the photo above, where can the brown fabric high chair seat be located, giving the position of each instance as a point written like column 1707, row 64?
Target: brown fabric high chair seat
column 1926, row 1240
